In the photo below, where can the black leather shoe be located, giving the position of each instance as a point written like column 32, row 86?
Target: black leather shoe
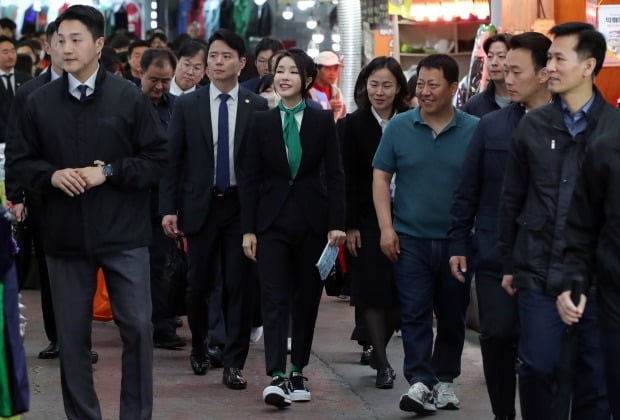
column 199, row 363
column 171, row 341
column 385, row 378
column 366, row 353
column 215, row 356
column 50, row 352
column 233, row 378
column 94, row 357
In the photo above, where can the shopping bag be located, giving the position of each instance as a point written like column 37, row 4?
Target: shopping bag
column 102, row 311
column 175, row 278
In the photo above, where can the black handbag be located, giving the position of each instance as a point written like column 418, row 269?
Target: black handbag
column 334, row 281
column 174, row 283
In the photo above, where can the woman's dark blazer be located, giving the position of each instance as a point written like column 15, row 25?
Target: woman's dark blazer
column 265, row 182
column 362, row 134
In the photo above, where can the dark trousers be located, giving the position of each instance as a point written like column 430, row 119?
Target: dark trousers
column 74, row 281
column 541, row 333
column 217, row 326
column 498, row 342
column 290, row 284
column 220, row 237
column 164, row 319
column 425, row 284
column 29, row 237
column 611, row 348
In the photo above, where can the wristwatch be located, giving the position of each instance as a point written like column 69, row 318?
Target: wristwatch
column 106, row 168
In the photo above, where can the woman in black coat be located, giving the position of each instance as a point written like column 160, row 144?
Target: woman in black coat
column 292, row 204
column 380, row 92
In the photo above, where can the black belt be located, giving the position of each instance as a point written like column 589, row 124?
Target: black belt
column 215, row 192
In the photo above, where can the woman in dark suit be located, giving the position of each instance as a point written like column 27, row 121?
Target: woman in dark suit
column 292, row 203
column 380, row 92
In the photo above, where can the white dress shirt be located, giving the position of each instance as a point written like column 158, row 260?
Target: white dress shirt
column 4, row 79
column 75, row 83
column 177, row 91
column 232, row 103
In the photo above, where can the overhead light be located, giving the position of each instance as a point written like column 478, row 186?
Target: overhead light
column 318, row 35
column 336, row 34
column 153, row 24
column 154, row 14
column 260, row 2
column 305, row 4
column 313, row 49
column 154, row 5
column 335, row 47
column 287, row 13
column 311, row 23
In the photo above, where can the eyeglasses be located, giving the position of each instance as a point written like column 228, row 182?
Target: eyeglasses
column 194, row 68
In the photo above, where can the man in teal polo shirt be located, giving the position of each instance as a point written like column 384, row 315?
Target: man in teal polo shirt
column 425, row 147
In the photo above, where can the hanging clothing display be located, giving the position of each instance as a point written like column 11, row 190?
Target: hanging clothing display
column 227, row 12
column 260, row 20
column 185, row 6
column 196, row 14
column 120, row 19
column 211, row 17
column 242, row 17
column 134, row 18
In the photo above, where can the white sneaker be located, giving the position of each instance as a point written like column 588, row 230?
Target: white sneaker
column 256, row 334
column 444, row 396
column 289, row 342
column 278, row 392
column 418, row 399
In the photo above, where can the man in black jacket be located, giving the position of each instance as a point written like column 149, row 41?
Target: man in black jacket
column 543, row 167
column 495, row 96
column 476, row 205
column 92, row 144
column 592, row 249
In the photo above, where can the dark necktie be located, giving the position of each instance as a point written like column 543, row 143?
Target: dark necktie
column 222, row 170
column 82, row 89
column 9, row 86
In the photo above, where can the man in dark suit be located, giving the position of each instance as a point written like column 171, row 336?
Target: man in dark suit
column 198, row 196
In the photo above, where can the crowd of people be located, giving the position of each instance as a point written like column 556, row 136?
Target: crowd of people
column 119, row 148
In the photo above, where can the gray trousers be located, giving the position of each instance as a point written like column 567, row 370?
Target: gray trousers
column 73, row 283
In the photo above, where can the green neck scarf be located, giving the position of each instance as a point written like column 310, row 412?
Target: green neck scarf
column 291, row 135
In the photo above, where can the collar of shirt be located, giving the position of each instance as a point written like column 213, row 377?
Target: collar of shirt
column 4, row 73
column 90, row 83
column 578, row 122
column 214, row 92
column 455, row 122
column 54, row 74
column 382, row 123
column 176, row 89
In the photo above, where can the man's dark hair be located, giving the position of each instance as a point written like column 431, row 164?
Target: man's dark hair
column 4, row 38
column 271, row 62
column 110, row 60
column 24, row 63
column 50, row 31
column 441, row 62
column 536, row 43
column 504, row 38
column 89, row 16
column 158, row 57
column 230, row 38
column 378, row 63
column 590, row 43
column 136, row 44
column 268, row 43
column 305, row 66
column 34, row 45
column 7, row 23
column 118, row 41
column 158, row 35
column 264, row 83
column 190, row 48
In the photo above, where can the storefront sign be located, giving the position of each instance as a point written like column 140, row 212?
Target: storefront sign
column 609, row 25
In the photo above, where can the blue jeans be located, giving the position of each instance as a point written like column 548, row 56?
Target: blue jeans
column 425, row 284
column 541, row 337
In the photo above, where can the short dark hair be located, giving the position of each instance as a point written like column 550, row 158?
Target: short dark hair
column 443, row 62
column 8, row 24
column 305, row 66
column 591, row 43
column 190, row 48
column 110, row 60
column 24, row 63
column 264, row 83
column 378, row 63
column 34, row 46
column 159, row 35
column 503, row 38
column 50, row 31
column 136, row 44
column 118, row 41
column 88, row 15
column 270, row 63
column 157, row 57
column 268, row 43
column 536, row 43
column 412, row 84
column 230, row 38
column 4, row 38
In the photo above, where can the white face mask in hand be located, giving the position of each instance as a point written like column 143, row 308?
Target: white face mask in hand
column 272, row 98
